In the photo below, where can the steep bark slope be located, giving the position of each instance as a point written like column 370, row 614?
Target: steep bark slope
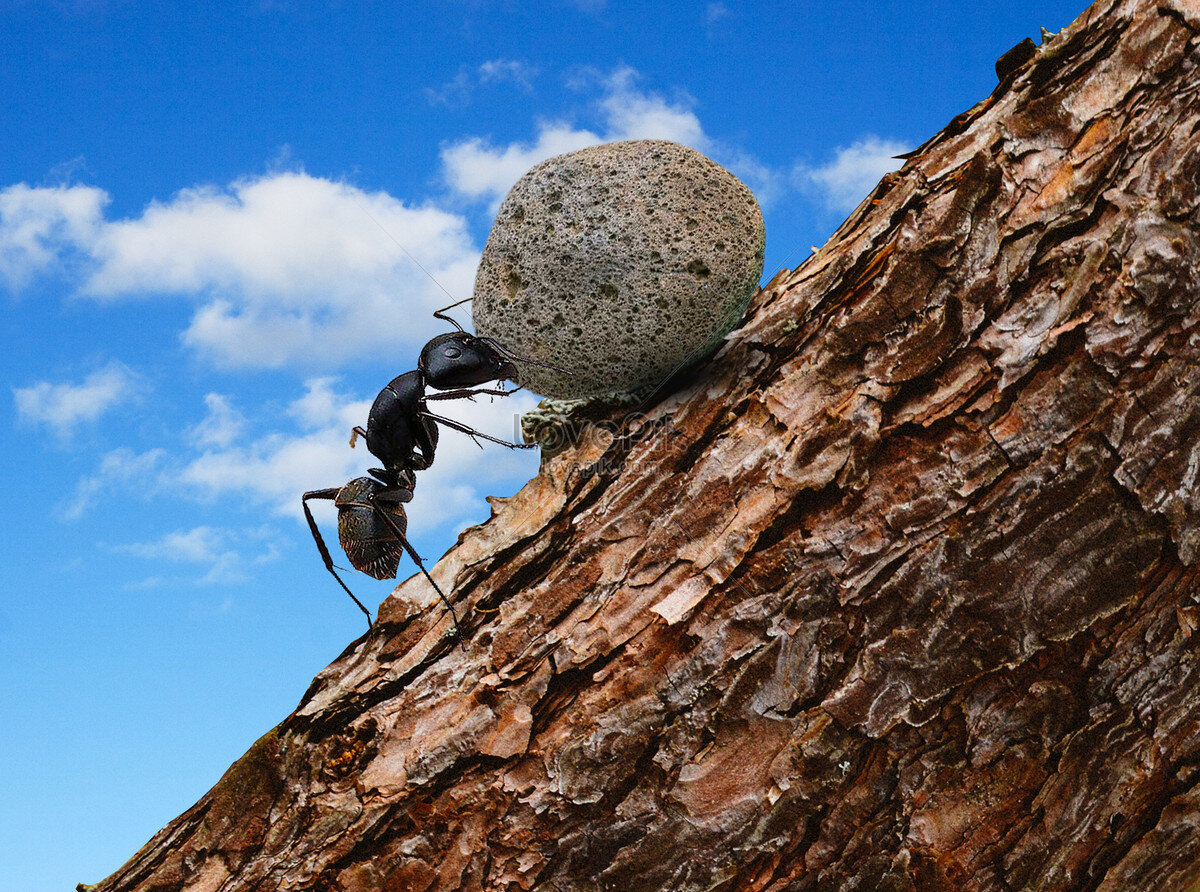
column 900, row 591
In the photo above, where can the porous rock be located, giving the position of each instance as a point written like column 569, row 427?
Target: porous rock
column 621, row 263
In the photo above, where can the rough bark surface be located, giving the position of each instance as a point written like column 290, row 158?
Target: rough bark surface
column 899, row 591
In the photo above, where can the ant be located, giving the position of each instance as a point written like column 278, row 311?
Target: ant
column 402, row 433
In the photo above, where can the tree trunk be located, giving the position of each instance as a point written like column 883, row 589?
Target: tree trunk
column 898, row 591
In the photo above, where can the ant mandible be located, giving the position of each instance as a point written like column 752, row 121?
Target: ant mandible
column 402, row 433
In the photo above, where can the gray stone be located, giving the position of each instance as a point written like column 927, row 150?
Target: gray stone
column 621, row 263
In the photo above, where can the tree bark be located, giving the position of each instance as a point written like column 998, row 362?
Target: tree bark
column 898, row 591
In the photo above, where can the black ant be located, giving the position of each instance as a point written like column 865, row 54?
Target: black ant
column 402, row 433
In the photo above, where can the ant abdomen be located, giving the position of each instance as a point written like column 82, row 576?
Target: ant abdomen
column 370, row 543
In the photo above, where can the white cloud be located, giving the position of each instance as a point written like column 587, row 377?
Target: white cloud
column 285, row 269
column 120, row 468
column 508, row 70
column 273, row 468
column 478, row 170
column 853, row 172
column 290, row 269
column 61, row 407
column 195, row 546
column 221, row 426
column 38, row 223
column 207, row 546
column 633, row 114
column 457, row 92
column 321, row 404
column 277, row 468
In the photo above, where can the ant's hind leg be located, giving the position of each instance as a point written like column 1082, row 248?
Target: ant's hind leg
column 328, row 494
column 416, row 558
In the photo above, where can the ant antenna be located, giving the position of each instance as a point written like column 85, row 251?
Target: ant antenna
column 508, row 354
column 491, row 342
column 441, row 314
column 408, row 254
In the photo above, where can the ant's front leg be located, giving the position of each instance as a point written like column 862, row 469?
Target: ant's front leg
column 468, row 394
column 472, row 433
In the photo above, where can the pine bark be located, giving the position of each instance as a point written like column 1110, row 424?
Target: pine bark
column 900, row 590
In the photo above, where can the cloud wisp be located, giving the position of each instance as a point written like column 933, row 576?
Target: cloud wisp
column 459, row 91
column 210, row 547
column 224, row 459
column 63, row 407
column 39, row 224
column 275, row 468
column 222, row 424
column 121, row 469
column 478, row 170
column 201, row 545
column 854, row 170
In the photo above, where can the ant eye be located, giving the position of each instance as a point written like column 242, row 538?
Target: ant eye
column 451, row 352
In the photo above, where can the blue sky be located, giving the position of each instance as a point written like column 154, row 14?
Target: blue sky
column 201, row 214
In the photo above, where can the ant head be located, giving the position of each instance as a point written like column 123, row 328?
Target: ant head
column 463, row 360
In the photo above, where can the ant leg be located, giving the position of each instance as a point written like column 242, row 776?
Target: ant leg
column 459, row 394
column 355, row 433
column 441, row 314
column 472, row 433
column 399, row 533
column 316, row 533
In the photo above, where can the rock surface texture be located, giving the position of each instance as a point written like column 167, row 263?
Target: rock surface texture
column 621, row 263
column 900, row 592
